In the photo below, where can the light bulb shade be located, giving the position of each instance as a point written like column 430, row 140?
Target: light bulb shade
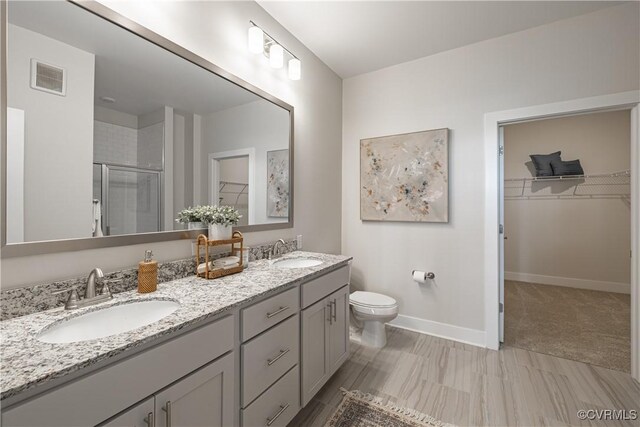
column 295, row 69
column 276, row 56
column 255, row 41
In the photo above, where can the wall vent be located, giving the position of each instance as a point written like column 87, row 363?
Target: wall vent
column 48, row 78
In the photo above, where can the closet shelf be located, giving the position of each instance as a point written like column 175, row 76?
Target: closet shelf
column 614, row 185
column 233, row 186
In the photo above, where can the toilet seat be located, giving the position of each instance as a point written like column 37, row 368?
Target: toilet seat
column 361, row 299
column 376, row 311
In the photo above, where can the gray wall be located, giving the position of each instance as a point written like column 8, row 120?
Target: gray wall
column 58, row 157
column 217, row 31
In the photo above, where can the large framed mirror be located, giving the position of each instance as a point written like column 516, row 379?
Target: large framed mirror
column 111, row 130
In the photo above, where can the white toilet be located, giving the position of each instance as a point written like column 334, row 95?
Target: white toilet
column 373, row 310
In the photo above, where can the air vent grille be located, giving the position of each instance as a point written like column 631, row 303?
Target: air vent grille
column 48, row 78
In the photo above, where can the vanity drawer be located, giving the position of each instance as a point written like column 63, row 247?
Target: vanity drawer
column 277, row 405
column 316, row 289
column 263, row 315
column 268, row 356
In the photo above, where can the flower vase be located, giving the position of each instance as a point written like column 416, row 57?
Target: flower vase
column 195, row 225
column 220, row 232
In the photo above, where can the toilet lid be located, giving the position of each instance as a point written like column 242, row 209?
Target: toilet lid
column 371, row 299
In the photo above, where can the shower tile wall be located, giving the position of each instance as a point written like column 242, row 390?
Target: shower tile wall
column 150, row 142
column 115, row 144
column 150, row 151
column 133, row 198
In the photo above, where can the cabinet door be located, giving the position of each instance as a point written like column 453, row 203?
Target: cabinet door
column 203, row 398
column 338, row 336
column 140, row 415
column 315, row 321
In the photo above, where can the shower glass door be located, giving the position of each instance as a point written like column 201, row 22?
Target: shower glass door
column 130, row 199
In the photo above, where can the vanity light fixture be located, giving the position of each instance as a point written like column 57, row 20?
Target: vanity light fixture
column 256, row 40
column 294, row 69
column 260, row 41
column 276, row 56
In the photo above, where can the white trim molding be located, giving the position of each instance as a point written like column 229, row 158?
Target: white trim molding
column 492, row 122
column 442, row 330
column 635, row 243
column 569, row 282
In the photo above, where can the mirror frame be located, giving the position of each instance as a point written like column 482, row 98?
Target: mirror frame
column 65, row 245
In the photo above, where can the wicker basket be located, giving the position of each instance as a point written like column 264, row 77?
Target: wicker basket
column 147, row 276
column 204, row 244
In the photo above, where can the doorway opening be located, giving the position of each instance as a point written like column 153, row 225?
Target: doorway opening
column 233, row 185
column 566, row 216
column 231, row 182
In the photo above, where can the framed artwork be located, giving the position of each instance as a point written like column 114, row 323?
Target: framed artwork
column 405, row 177
column 278, row 183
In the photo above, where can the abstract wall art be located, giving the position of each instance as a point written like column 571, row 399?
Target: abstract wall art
column 278, row 183
column 405, row 177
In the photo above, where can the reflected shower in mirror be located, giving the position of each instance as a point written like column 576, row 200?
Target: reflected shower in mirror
column 110, row 134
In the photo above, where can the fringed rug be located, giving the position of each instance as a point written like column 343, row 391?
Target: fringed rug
column 359, row 409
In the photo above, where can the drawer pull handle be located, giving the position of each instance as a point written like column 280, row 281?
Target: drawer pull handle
column 167, row 409
column 275, row 359
column 150, row 420
column 335, row 310
column 278, row 311
column 275, row 417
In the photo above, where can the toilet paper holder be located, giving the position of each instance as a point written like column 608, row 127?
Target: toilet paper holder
column 428, row 275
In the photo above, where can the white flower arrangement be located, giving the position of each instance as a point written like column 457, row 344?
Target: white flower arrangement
column 190, row 214
column 225, row 215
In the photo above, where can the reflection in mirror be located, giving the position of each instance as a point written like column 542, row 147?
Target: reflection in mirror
column 109, row 134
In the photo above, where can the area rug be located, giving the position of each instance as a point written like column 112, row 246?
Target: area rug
column 359, row 409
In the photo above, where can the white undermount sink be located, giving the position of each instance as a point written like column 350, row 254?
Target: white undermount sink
column 108, row 321
column 296, row 262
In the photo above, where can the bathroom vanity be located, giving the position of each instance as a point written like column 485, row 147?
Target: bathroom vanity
column 248, row 349
column 245, row 350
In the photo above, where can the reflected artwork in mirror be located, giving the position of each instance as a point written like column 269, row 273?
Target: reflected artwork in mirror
column 112, row 130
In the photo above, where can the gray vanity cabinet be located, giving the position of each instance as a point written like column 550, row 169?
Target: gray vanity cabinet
column 315, row 322
column 180, row 369
column 203, row 398
column 338, row 341
column 325, row 340
column 140, row 415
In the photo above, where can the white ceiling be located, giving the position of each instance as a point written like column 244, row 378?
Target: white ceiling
column 140, row 76
column 355, row 37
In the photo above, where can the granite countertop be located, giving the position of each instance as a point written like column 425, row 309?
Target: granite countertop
column 28, row 363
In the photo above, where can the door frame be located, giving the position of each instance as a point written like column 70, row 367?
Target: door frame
column 214, row 176
column 492, row 123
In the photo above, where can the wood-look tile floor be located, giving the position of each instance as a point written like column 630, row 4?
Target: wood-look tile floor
column 468, row 385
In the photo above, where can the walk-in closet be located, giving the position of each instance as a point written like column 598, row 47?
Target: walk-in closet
column 567, row 237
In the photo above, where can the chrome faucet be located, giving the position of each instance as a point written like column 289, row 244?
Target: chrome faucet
column 90, row 296
column 90, row 292
column 272, row 253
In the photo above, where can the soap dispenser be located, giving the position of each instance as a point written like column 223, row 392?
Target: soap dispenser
column 147, row 274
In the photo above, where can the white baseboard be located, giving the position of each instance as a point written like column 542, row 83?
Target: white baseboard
column 442, row 330
column 594, row 285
